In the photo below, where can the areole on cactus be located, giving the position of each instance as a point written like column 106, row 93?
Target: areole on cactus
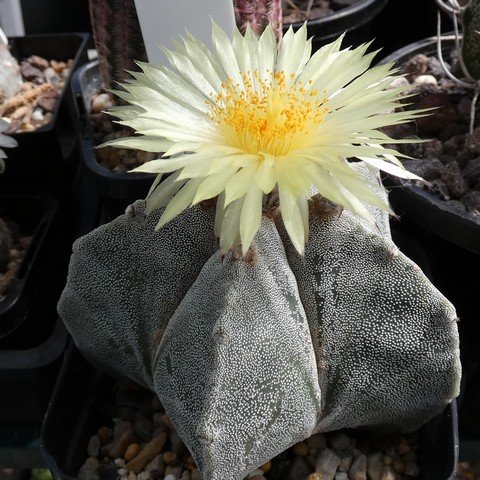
column 308, row 318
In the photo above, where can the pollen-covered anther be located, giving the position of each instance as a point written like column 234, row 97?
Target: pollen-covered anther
column 270, row 115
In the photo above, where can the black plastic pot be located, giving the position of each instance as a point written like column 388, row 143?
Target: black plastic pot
column 420, row 206
column 116, row 190
column 356, row 20
column 27, row 378
column 43, row 158
column 75, row 412
column 37, row 214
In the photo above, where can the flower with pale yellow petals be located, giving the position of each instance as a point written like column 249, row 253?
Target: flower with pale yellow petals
column 251, row 121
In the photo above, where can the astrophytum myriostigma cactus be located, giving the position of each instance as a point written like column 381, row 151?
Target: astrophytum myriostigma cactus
column 250, row 355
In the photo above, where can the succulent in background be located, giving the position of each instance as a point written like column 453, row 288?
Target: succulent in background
column 467, row 45
column 258, row 14
column 5, row 142
column 118, row 38
column 10, row 77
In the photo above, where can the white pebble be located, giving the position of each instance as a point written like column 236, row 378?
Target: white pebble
column 37, row 115
column 101, row 102
column 327, row 464
column 170, row 477
column 341, row 476
column 399, row 82
column 119, row 462
column 122, row 472
column 426, row 80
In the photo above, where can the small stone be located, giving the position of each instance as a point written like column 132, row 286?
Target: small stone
column 170, row 458
column 471, row 172
column 185, row 475
column 176, row 471
column 444, row 113
column 300, row 449
column 132, row 451
column 102, row 101
column 375, row 465
column 104, row 434
column 314, row 476
column 345, row 462
column 439, row 187
column 317, row 442
column 196, row 474
column 147, row 454
column 93, row 446
column 132, row 476
column 177, row 445
column 387, row 460
column 398, row 465
column 471, row 200
column 403, row 446
column 266, row 467
column 38, row 62
column 327, row 464
column 156, row 464
column 119, row 462
column 299, row 469
column 417, row 65
column 119, row 446
column 170, row 477
column 358, row 470
column 426, row 80
column 51, row 75
column 167, row 421
column 428, row 168
column 29, row 72
column 472, row 141
column 37, row 115
column 399, row 82
column 143, row 428
column 457, row 186
column 89, row 470
column 388, row 474
column 340, row 441
column 108, row 472
column 47, row 103
column 412, row 470
column 144, row 476
column 341, row 476
column 432, row 149
column 122, row 472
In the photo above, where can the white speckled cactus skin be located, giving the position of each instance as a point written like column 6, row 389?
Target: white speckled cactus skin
column 250, row 356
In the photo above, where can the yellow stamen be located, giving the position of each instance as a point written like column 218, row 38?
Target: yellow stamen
column 272, row 116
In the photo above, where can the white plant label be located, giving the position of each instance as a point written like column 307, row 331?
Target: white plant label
column 163, row 21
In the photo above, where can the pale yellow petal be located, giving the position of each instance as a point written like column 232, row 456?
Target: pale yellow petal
column 251, row 217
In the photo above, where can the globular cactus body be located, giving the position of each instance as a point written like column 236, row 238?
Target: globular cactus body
column 259, row 353
column 471, row 39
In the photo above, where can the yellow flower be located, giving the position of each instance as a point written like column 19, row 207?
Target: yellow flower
column 250, row 119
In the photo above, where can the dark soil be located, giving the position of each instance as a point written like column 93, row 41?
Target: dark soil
column 318, row 9
column 450, row 160
column 33, row 106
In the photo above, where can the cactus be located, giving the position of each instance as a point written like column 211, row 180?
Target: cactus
column 258, row 14
column 118, row 38
column 10, row 77
column 471, row 39
column 250, row 355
